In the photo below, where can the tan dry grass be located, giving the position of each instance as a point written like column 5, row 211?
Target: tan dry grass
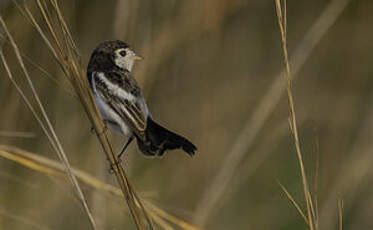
column 264, row 109
column 53, row 168
column 44, row 121
column 314, row 34
column 293, row 121
column 66, row 54
column 340, row 214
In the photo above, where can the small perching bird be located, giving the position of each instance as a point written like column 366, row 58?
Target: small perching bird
column 122, row 104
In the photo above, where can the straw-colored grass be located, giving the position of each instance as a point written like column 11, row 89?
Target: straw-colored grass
column 205, row 56
column 340, row 214
column 53, row 168
column 265, row 107
column 65, row 51
column 281, row 18
column 44, row 121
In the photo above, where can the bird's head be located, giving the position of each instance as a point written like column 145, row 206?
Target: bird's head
column 111, row 53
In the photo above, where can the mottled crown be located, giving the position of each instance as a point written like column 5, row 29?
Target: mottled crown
column 103, row 56
column 111, row 46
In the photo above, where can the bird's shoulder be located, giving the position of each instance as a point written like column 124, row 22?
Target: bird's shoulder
column 125, row 80
column 119, row 78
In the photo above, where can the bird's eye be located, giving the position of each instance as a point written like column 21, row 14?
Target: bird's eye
column 123, row 53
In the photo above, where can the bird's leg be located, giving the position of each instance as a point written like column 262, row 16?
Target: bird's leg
column 125, row 146
column 121, row 153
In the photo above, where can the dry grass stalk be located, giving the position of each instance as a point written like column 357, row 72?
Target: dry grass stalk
column 47, row 126
column 264, row 109
column 65, row 51
column 293, row 121
column 292, row 200
column 340, row 214
column 55, row 169
column 316, row 183
column 66, row 54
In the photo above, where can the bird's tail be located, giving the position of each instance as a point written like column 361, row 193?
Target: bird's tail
column 158, row 139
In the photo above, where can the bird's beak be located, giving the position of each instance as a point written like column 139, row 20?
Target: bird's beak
column 138, row 58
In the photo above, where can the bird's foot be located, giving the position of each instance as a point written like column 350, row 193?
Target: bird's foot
column 94, row 130
column 116, row 165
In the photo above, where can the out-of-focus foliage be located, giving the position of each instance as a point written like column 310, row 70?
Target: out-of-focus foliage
column 208, row 64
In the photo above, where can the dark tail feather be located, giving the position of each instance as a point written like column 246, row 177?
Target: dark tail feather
column 159, row 139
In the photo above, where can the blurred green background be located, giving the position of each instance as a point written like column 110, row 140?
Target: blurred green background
column 212, row 73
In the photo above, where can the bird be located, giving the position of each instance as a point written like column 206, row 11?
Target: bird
column 122, row 104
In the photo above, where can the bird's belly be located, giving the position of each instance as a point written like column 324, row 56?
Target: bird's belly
column 112, row 118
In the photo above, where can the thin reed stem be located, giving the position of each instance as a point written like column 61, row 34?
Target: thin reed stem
column 53, row 168
column 340, row 214
column 66, row 53
column 49, row 128
column 293, row 120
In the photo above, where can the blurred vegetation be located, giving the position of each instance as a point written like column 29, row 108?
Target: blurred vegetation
column 210, row 67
